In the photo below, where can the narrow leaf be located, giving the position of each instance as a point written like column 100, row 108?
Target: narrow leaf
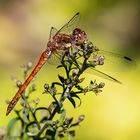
column 76, row 96
column 59, row 66
column 72, row 101
column 61, row 79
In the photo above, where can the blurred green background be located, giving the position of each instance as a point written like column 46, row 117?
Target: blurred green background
column 111, row 25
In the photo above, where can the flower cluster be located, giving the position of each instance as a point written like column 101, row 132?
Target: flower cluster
column 52, row 122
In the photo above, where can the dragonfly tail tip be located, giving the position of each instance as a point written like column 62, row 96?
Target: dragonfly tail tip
column 7, row 113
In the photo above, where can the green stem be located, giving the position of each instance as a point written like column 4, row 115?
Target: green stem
column 66, row 90
column 38, row 125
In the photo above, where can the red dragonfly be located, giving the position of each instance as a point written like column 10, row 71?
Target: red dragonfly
column 56, row 45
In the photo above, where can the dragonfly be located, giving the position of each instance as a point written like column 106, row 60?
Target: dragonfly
column 58, row 39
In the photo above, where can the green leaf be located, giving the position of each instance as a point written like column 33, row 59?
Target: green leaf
column 72, row 101
column 32, row 129
column 76, row 96
column 50, row 134
column 68, row 121
column 71, row 133
column 59, row 66
column 56, row 83
column 92, row 83
column 61, row 79
column 78, row 87
column 11, row 124
column 42, row 114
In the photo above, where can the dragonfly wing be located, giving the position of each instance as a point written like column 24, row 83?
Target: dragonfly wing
column 104, row 75
column 115, row 55
column 71, row 25
column 115, row 61
column 101, row 74
column 53, row 31
column 56, row 57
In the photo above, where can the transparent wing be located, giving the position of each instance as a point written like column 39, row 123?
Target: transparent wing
column 114, row 61
column 55, row 59
column 71, row 25
column 103, row 75
column 115, row 55
column 53, row 31
column 94, row 71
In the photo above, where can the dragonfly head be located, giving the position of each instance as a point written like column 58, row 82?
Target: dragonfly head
column 53, row 43
column 79, row 35
column 58, row 38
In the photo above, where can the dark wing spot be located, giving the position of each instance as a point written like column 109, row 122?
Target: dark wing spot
column 127, row 58
column 77, row 13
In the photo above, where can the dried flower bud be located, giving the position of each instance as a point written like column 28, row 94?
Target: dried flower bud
column 37, row 100
column 81, row 118
column 71, row 133
column 33, row 87
column 85, row 90
column 29, row 64
column 75, row 72
column 101, row 63
column 96, row 48
column 86, row 56
column 25, row 111
column 19, row 83
column 80, row 80
column 68, row 120
column 97, row 91
column 85, row 42
column 101, row 60
column 46, row 86
column 90, row 44
column 55, row 122
column 101, row 85
column 90, row 47
column 54, row 90
column 61, row 135
column 95, row 58
column 23, row 103
column 7, row 101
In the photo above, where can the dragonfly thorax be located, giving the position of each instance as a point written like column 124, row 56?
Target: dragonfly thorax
column 58, row 38
column 59, row 42
column 51, row 45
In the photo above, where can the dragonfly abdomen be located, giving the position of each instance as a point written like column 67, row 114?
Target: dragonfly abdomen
column 44, row 56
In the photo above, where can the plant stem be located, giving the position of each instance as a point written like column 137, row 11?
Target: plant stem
column 62, row 99
column 38, row 125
